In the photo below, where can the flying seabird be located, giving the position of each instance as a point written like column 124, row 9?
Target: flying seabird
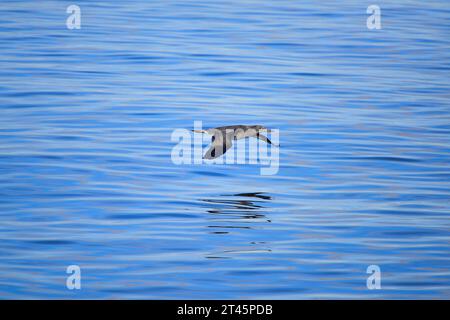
column 222, row 138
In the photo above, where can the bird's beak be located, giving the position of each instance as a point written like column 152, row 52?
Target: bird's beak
column 266, row 130
column 198, row 131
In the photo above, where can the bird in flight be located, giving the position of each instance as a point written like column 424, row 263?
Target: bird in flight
column 222, row 138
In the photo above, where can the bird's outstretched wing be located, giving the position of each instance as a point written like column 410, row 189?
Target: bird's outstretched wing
column 265, row 139
column 220, row 143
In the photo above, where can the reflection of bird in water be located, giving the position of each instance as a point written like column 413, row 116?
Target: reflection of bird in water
column 242, row 207
column 254, row 195
column 247, row 209
column 236, row 214
column 222, row 137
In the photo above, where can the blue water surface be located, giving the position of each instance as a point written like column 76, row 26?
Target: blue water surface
column 86, row 176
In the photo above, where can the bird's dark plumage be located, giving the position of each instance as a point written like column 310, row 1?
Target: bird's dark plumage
column 222, row 137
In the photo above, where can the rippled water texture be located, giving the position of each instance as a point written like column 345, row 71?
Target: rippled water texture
column 86, row 176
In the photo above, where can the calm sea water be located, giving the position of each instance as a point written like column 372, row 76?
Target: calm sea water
column 86, row 176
